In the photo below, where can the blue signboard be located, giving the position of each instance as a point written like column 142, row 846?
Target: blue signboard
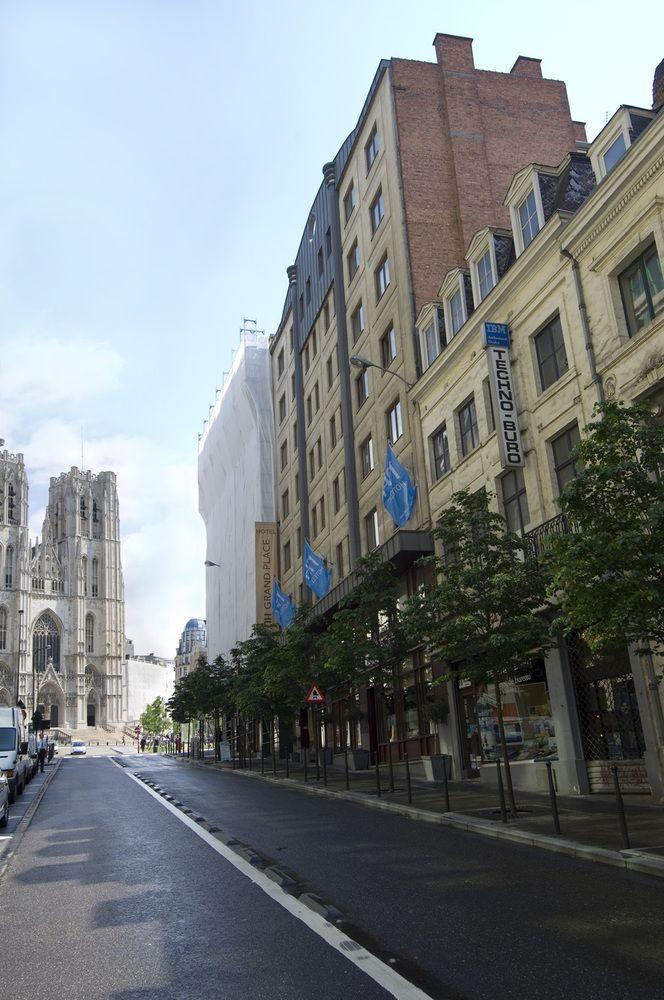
column 496, row 335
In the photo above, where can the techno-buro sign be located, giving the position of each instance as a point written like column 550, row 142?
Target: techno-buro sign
column 497, row 344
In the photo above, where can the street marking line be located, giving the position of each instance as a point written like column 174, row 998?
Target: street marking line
column 364, row 960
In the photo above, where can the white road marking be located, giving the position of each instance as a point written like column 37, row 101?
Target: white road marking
column 355, row 953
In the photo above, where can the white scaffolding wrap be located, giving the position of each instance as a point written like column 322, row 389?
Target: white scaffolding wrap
column 236, row 488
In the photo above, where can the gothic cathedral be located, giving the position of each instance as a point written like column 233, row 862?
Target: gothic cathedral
column 61, row 599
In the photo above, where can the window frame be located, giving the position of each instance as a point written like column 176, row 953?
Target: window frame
column 377, row 202
column 381, row 273
column 362, row 387
column 372, row 147
column 571, row 429
column 353, row 260
column 367, row 452
column 371, row 522
column 473, row 427
column 394, row 421
column 638, row 263
column 357, row 321
column 439, row 470
column 514, row 501
column 349, row 202
column 386, row 340
column 541, row 359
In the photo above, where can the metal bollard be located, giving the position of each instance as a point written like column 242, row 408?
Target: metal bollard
column 446, row 788
column 501, row 793
column 408, row 784
column 622, row 818
column 552, row 797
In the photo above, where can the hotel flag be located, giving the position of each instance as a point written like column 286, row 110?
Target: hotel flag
column 283, row 606
column 398, row 490
column 316, row 574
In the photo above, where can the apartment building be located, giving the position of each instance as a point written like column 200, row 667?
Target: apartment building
column 577, row 278
column 427, row 165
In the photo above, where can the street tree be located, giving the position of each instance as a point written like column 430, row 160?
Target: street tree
column 609, row 570
column 155, row 719
column 482, row 613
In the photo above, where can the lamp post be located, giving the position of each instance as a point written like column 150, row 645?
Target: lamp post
column 363, row 363
column 18, row 655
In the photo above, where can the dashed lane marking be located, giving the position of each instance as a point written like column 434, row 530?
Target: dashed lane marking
column 391, row 981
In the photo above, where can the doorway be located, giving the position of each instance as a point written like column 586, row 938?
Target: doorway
column 91, row 715
column 55, row 718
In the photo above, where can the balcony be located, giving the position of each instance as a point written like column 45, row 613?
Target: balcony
column 538, row 541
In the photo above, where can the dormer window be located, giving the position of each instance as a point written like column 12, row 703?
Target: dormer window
column 528, row 220
column 614, row 153
column 457, row 312
column 432, row 336
column 457, row 301
column 608, row 149
column 485, row 276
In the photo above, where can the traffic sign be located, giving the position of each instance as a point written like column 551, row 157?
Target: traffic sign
column 315, row 696
column 137, row 729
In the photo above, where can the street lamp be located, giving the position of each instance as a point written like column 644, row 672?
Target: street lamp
column 359, row 362
column 18, row 658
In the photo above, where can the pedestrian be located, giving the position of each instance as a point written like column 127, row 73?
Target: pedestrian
column 143, row 742
column 155, row 745
column 123, row 741
column 42, row 749
column 51, row 750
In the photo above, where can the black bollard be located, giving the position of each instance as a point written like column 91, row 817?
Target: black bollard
column 501, row 793
column 552, row 797
column 622, row 818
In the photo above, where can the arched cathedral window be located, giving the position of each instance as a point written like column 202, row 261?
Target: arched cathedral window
column 9, row 568
column 96, row 524
column 95, row 577
column 89, row 634
column 84, row 573
column 11, row 504
column 45, row 643
column 3, row 628
column 83, row 510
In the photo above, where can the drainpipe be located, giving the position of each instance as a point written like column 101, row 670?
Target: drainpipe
column 583, row 312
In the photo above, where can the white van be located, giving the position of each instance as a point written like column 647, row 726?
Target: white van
column 15, row 761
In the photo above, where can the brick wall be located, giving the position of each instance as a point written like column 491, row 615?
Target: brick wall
column 463, row 134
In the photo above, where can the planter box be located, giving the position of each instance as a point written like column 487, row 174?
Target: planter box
column 436, row 766
column 358, row 760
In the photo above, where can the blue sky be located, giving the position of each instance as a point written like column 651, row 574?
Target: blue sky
column 157, row 162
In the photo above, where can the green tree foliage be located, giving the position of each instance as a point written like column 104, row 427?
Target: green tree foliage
column 155, row 719
column 482, row 612
column 610, row 569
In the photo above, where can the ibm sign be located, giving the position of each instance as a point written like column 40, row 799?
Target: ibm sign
column 497, row 343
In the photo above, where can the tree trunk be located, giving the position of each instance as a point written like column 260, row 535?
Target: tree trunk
column 503, row 743
column 217, row 735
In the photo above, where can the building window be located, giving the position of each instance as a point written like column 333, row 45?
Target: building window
column 457, row 312
column 340, row 560
column 312, row 463
column 3, row 628
column 282, row 408
column 330, row 372
column 485, row 279
column 45, row 643
column 310, row 412
column 285, row 505
column 515, row 501
column 353, row 259
column 388, row 347
column 528, row 219
column 394, row 422
column 326, row 316
column 290, row 339
column 377, row 210
column 357, row 321
column 362, row 384
column 95, row 577
column 89, row 634
column 284, row 455
column 308, row 290
column 321, row 506
column 614, row 153
column 9, row 568
column 339, row 491
column 301, row 306
column 564, row 462
column 328, row 241
column 333, row 431
column 371, row 149
column 319, row 258
column 551, row 355
column 287, row 557
column 294, row 437
column 382, row 277
column 319, row 452
column 468, row 433
column 84, row 575
column 349, row 201
column 371, row 529
column 367, row 457
column 298, row 536
column 314, row 520
column 440, row 452
column 642, row 290
column 280, row 363
column 316, row 398
column 314, row 343
column 292, row 385
column 431, row 343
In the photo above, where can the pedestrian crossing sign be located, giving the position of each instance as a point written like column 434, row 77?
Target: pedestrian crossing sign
column 315, row 696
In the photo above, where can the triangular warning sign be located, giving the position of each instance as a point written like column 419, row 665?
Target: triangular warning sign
column 315, row 696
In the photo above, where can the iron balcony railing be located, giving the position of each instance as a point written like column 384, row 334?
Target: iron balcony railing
column 538, row 541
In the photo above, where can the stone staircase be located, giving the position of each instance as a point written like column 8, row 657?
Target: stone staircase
column 96, row 734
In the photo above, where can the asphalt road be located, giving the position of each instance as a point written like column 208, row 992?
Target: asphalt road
column 133, row 904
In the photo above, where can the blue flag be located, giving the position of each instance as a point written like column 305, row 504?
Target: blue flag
column 398, row 490
column 283, row 606
column 316, row 574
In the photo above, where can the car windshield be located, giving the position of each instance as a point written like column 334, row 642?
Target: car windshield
column 78, row 743
column 7, row 738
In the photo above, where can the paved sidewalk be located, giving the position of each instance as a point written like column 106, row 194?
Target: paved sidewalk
column 589, row 825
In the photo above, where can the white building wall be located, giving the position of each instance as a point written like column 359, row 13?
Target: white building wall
column 146, row 680
column 235, row 490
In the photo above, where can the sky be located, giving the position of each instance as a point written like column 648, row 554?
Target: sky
column 157, row 163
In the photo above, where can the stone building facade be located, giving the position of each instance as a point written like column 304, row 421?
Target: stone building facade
column 61, row 598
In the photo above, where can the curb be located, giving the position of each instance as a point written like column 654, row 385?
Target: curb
column 7, row 854
column 629, row 861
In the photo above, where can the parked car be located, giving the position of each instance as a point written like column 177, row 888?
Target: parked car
column 78, row 747
column 15, row 761
column 4, row 800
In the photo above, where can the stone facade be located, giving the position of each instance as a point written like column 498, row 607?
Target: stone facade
column 61, row 598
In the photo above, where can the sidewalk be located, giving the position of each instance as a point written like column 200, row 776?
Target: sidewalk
column 589, row 825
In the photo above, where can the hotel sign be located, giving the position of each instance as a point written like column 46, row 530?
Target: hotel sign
column 497, row 343
column 266, row 570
